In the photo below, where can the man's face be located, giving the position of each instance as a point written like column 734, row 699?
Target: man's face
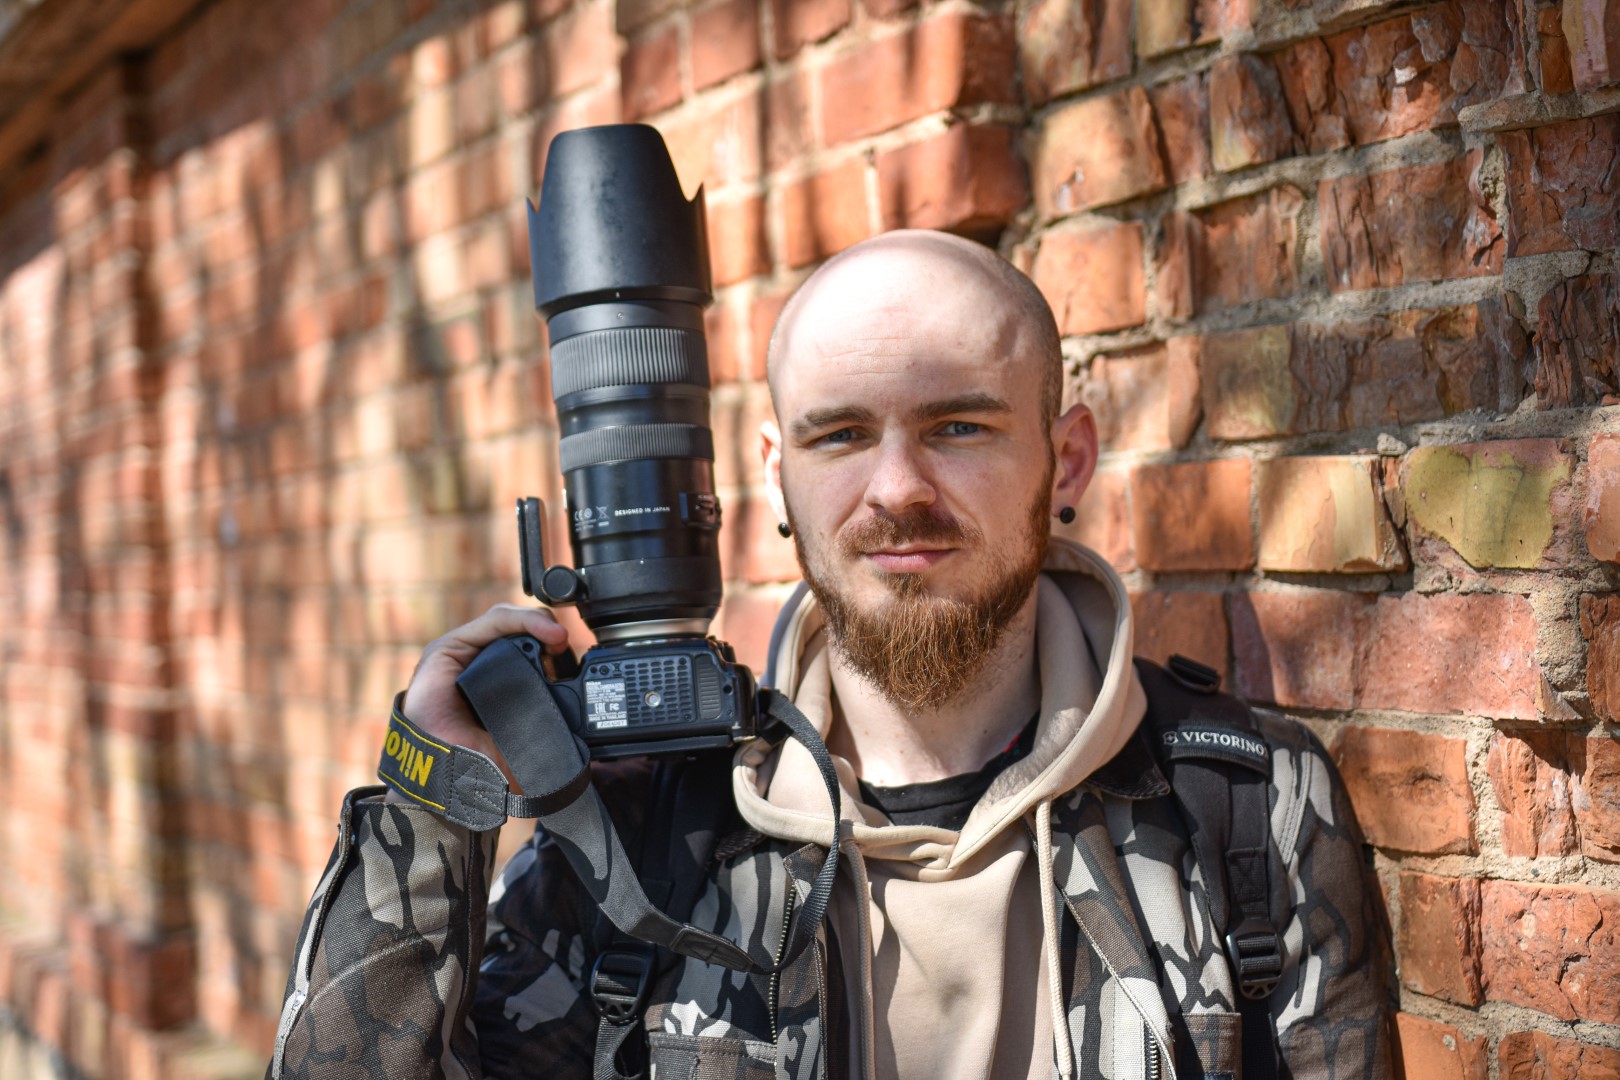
column 916, row 468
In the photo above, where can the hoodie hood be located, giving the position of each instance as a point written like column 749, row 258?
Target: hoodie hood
column 1091, row 704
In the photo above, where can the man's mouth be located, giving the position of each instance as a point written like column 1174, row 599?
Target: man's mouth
column 907, row 560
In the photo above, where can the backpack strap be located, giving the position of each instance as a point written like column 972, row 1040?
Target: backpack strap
column 1218, row 763
column 688, row 808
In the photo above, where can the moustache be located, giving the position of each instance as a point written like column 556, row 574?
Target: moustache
column 884, row 531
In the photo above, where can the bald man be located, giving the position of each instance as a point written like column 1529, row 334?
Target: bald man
column 1019, row 895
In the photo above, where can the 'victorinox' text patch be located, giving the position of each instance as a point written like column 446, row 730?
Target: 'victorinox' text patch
column 1238, row 747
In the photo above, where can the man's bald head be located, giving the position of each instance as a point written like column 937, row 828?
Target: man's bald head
column 906, row 273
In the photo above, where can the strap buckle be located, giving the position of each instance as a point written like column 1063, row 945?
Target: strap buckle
column 620, row 979
column 1256, row 951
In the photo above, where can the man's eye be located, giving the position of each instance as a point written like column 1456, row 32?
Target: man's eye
column 962, row 427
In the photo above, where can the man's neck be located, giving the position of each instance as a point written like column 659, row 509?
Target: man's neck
column 889, row 746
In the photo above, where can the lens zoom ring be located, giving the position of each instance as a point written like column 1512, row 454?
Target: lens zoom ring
column 636, row 354
column 634, row 443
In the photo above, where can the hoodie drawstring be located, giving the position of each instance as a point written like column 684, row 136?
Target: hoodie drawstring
column 863, row 891
column 1051, row 946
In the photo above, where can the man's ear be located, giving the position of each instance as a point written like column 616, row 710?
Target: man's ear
column 770, row 451
column 1074, row 441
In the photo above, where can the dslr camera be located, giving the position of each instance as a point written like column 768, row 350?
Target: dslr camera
column 621, row 274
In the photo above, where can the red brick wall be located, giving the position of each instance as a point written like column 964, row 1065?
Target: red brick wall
column 1339, row 279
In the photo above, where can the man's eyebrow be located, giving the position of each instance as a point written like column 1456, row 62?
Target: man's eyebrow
column 977, row 402
column 818, row 419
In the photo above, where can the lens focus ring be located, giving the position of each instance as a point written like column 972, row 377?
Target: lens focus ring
column 634, row 443
column 627, row 357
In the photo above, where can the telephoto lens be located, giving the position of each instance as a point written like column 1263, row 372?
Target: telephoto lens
column 621, row 274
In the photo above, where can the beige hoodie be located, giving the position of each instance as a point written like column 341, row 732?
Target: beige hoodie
column 949, row 952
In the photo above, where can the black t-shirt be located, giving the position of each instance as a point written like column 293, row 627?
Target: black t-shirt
column 947, row 803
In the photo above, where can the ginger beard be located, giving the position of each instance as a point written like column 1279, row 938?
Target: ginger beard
column 919, row 650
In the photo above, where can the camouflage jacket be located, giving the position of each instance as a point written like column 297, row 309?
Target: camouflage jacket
column 410, row 964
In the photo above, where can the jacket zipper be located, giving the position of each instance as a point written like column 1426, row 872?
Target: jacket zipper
column 1153, row 1069
column 781, row 951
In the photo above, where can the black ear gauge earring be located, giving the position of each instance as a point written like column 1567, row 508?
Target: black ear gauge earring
column 1066, row 515
column 785, row 529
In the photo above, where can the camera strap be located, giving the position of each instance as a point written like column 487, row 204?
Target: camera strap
column 467, row 788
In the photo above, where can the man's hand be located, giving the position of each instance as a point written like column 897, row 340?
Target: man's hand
column 433, row 703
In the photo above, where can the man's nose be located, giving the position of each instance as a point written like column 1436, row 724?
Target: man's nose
column 899, row 480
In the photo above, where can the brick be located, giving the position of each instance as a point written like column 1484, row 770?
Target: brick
column 580, row 47
column 631, row 15
column 1563, row 191
column 1325, row 515
column 1164, row 26
column 1439, row 939
column 751, row 549
column 1248, row 120
column 1479, row 656
column 745, row 620
column 725, row 41
column 1551, row 61
column 969, row 180
column 789, row 133
column 1233, row 253
column 762, row 315
column 1181, row 109
column 1397, row 76
column 1192, row 624
column 1601, row 516
column 1357, row 373
column 650, row 73
column 1095, row 152
column 802, row 22
column 1553, row 948
column 1092, row 277
column 1530, row 776
column 1535, row 1055
column 1424, row 223
column 737, row 244
column 1209, row 503
column 1597, row 797
column 1592, row 31
column 1145, row 399
column 1102, row 521
column 1069, row 45
column 947, row 61
column 1436, row 1051
column 1283, row 653
column 715, row 142
column 825, row 214
column 1600, row 626
column 1410, row 790
column 1497, row 504
column 1578, row 347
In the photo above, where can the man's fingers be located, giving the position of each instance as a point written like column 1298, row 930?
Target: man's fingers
column 503, row 620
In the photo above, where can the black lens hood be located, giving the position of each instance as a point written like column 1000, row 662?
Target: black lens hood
column 613, row 223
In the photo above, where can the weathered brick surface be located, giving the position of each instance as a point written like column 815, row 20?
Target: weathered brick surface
column 1410, row 790
column 1530, row 776
column 1298, row 646
column 725, row 41
column 1325, row 515
column 1602, row 511
column 1210, row 502
column 800, row 22
column 969, row 180
column 1478, row 658
column 1535, row 1055
column 1192, row 624
column 1398, row 368
column 1164, row 26
column 1578, row 347
column 1429, row 1048
column 1439, row 938
column 1600, row 625
column 1562, row 189
column 1068, row 45
column 1424, row 223
column 1146, row 399
column 1233, row 253
column 1248, row 121
column 1093, row 277
column 1103, row 521
column 1102, row 150
column 1552, row 948
column 1592, row 31
column 1504, row 504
